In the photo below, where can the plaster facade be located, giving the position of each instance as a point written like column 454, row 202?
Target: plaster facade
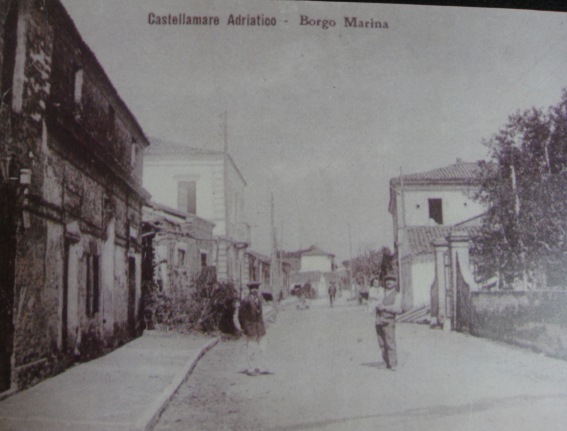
column 218, row 196
column 72, row 167
column 424, row 207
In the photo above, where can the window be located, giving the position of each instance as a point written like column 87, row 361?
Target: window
column 180, row 257
column 203, row 259
column 133, row 153
column 436, row 210
column 93, row 285
column 187, row 196
column 78, row 85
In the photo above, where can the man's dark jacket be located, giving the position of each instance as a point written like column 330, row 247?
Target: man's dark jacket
column 250, row 316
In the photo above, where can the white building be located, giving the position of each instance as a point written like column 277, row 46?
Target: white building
column 206, row 183
column 315, row 259
column 426, row 206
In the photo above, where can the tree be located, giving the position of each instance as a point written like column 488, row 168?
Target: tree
column 524, row 187
column 370, row 263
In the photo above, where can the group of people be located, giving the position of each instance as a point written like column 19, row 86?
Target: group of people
column 384, row 301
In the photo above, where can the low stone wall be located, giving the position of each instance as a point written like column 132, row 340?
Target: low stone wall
column 532, row 319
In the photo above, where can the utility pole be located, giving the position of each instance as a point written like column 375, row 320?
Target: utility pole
column 227, row 231
column 281, row 271
column 399, row 251
column 350, row 260
column 274, row 276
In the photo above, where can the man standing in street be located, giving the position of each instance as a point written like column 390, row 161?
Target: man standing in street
column 251, row 322
column 389, row 303
column 332, row 291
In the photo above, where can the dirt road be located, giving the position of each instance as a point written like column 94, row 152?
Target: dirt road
column 325, row 378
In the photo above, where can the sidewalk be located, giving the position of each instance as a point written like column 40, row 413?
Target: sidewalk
column 124, row 390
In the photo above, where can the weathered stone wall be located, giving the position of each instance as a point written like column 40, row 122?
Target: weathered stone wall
column 533, row 319
column 31, row 315
column 98, row 112
column 179, row 275
column 77, row 140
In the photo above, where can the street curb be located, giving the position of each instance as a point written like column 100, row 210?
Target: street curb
column 149, row 420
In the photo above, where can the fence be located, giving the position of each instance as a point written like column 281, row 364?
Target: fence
column 533, row 319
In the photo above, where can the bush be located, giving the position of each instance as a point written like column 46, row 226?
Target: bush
column 206, row 306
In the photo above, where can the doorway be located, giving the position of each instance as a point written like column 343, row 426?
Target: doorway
column 8, row 208
column 132, row 296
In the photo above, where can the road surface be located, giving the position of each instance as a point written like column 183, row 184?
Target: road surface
column 326, row 378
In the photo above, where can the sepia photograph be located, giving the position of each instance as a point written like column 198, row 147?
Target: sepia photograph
column 283, row 215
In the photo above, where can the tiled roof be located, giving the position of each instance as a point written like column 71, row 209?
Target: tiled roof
column 457, row 173
column 161, row 147
column 316, row 251
column 420, row 238
column 259, row 256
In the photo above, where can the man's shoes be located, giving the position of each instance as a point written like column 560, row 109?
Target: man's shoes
column 251, row 373
column 392, row 368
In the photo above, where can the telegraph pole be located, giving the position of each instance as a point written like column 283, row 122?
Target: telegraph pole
column 350, row 260
column 274, row 276
column 403, row 205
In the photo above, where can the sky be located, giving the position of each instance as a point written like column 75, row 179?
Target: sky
column 322, row 119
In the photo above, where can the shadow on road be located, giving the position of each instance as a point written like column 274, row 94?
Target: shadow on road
column 430, row 412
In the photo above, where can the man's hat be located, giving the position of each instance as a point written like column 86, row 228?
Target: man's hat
column 254, row 285
column 390, row 277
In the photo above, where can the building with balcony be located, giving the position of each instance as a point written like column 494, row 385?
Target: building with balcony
column 71, row 199
column 206, row 183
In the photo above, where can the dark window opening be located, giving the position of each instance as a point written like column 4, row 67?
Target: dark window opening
column 93, row 285
column 9, row 54
column 187, row 196
column 203, row 259
column 436, row 210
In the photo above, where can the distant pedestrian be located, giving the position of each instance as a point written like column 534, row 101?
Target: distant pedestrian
column 332, row 291
column 388, row 304
column 251, row 320
column 373, row 294
column 304, row 297
column 361, row 288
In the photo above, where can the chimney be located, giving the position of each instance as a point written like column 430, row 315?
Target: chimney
column 459, row 160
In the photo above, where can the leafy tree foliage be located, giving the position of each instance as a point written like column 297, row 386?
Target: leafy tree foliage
column 370, row 263
column 524, row 186
column 205, row 306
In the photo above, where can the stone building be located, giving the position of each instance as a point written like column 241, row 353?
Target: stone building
column 177, row 245
column 206, row 183
column 426, row 206
column 71, row 192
